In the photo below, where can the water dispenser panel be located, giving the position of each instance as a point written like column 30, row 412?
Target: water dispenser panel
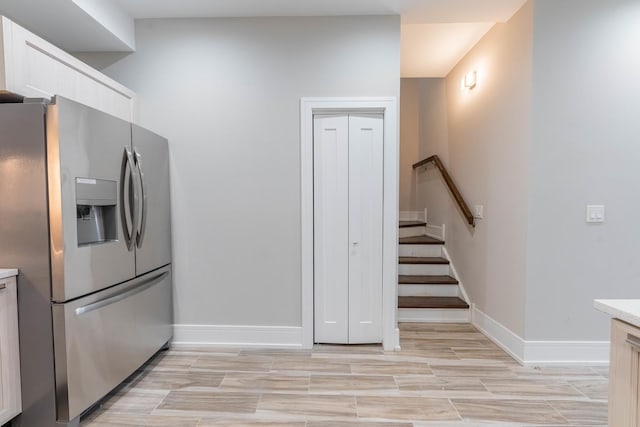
column 96, row 202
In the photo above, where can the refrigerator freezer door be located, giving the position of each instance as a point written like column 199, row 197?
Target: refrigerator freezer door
column 101, row 339
column 85, row 146
column 153, row 234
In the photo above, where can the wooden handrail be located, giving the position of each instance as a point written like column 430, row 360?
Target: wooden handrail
column 452, row 186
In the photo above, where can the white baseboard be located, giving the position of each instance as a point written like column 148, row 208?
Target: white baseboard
column 499, row 334
column 540, row 352
column 454, row 273
column 397, row 346
column 566, row 352
column 237, row 335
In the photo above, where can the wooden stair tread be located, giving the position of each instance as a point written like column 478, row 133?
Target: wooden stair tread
column 432, row 302
column 411, row 224
column 422, row 260
column 420, row 240
column 427, row 280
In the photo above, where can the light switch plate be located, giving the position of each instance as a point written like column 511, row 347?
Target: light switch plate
column 595, row 214
column 478, row 211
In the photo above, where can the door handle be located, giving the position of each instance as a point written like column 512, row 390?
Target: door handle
column 123, row 295
column 3, row 285
column 125, row 198
column 143, row 221
column 136, row 214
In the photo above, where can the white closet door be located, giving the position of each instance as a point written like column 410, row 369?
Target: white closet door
column 348, row 188
column 365, row 228
column 331, row 228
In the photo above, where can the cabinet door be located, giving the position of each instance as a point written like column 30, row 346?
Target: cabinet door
column 624, row 376
column 10, row 397
column 348, row 228
column 34, row 67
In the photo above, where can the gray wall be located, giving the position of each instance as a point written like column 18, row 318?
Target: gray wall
column 489, row 138
column 551, row 127
column 226, row 93
column 423, row 132
column 410, row 101
column 585, row 150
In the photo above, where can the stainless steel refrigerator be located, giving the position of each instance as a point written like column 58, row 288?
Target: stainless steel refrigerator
column 85, row 217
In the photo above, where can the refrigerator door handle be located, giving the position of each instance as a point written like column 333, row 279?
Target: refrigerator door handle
column 143, row 222
column 136, row 208
column 126, row 215
column 123, row 295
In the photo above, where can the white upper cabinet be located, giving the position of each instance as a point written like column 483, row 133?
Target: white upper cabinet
column 33, row 67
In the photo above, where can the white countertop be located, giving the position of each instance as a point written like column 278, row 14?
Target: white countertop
column 627, row 310
column 8, row 272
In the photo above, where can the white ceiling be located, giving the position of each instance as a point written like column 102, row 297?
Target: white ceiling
column 435, row 33
column 432, row 50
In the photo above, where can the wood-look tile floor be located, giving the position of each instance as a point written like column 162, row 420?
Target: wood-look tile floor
column 445, row 375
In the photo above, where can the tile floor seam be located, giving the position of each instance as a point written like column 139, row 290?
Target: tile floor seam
column 457, row 411
column 560, row 414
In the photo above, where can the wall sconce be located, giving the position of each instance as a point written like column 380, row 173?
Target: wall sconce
column 470, row 80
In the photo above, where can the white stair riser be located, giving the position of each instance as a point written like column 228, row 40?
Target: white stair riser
column 423, row 269
column 418, row 230
column 405, row 290
column 434, row 315
column 420, row 250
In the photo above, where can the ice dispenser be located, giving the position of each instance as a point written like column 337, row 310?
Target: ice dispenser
column 96, row 211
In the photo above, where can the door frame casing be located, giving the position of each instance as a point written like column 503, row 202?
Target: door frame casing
column 388, row 107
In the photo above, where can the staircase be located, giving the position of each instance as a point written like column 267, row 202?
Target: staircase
column 427, row 288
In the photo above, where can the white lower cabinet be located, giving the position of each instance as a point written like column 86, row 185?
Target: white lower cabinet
column 10, row 400
column 33, row 67
column 348, row 191
column 624, row 375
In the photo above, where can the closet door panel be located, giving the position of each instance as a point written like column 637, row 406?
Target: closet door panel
column 365, row 228
column 331, row 229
